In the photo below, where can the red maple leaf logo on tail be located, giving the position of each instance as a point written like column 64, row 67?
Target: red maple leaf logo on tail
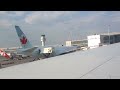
column 23, row 40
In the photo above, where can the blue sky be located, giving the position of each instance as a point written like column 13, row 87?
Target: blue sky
column 58, row 26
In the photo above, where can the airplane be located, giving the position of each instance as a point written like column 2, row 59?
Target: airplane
column 4, row 54
column 37, row 52
column 11, row 56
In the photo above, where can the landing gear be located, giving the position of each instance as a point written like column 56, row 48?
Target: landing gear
column 46, row 55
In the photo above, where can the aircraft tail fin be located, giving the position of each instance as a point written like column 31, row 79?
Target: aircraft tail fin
column 2, row 53
column 23, row 39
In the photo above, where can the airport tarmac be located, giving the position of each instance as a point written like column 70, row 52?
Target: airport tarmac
column 99, row 63
column 7, row 63
column 11, row 62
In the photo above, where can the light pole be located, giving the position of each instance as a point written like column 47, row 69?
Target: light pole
column 109, row 33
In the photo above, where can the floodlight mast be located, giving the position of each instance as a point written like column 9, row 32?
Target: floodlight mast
column 109, row 33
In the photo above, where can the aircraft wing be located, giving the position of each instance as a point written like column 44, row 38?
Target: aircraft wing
column 27, row 51
column 102, row 62
column 30, row 50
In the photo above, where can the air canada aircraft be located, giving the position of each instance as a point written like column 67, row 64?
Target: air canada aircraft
column 27, row 48
column 30, row 50
column 4, row 54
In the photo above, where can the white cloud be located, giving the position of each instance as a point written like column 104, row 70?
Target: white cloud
column 12, row 13
column 19, row 13
column 15, row 13
column 5, row 23
column 117, row 19
column 44, row 16
column 3, row 12
column 83, row 21
column 58, row 24
column 7, row 18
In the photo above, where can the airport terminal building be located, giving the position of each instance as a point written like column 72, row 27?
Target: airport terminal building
column 82, row 43
column 97, row 40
